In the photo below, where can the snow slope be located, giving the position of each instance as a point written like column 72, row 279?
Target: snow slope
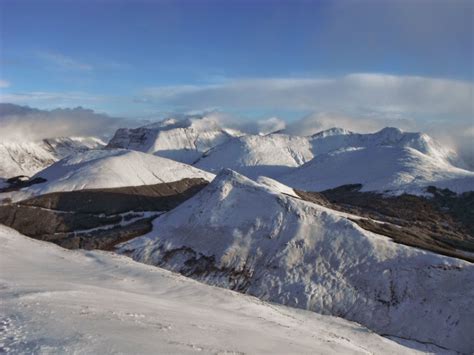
column 386, row 160
column 379, row 168
column 184, row 140
column 109, row 168
column 59, row 301
column 251, row 237
column 255, row 155
column 27, row 158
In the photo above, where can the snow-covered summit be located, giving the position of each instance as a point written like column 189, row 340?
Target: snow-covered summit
column 254, row 155
column 184, row 139
column 111, row 168
column 386, row 160
column 243, row 235
column 27, row 158
column 335, row 131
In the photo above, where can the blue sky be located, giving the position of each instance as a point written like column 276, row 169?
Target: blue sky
column 403, row 59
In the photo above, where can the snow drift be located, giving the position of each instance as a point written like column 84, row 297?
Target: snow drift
column 257, row 239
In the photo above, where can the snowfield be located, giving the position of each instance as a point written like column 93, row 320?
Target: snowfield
column 258, row 239
column 59, row 301
column 109, row 168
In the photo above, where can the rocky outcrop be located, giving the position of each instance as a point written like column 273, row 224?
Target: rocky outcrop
column 96, row 218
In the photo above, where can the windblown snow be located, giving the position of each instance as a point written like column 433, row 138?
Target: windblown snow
column 251, row 237
column 110, row 168
column 59, row 301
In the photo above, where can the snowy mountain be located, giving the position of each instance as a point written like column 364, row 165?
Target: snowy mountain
column 258, row 239
column 60, row 301
column 183, row 140
column 255, row 155
column 380, row 168
column 27, row 158
column 95, row 169
column 386, row 160
column 389, row 160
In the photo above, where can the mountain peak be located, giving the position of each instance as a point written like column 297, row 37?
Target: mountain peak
column 334, row 131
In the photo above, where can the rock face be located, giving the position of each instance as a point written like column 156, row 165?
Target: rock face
column 96, row 219
column 257, row 239
column 183, row 140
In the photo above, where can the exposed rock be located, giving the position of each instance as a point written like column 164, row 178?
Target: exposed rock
column 443, row 224
column 97, row 218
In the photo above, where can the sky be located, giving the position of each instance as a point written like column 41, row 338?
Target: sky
column 393, row 60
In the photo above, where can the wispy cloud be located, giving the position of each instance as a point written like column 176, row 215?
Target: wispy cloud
column 51, row 99
column 354, row 94
column 4, row 84
column 63, row 62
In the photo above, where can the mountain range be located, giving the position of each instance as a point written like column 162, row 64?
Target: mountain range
column 375, row 228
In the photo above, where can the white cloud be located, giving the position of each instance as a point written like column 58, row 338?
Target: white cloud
column 50, row 99
column 63, row 62
column 22, row 123
column 320, row 121
column 359, row 94
column 261, row 126
column 4, row 84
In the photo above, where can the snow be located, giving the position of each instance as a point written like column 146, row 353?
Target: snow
column 23, row 158
column 254, row 155
column 65, row 146
column 252, row 237
column 386, row 160
column 380, row 168
column 27, row 158
column 90, row 302
column 183, row 140
column 109, row 168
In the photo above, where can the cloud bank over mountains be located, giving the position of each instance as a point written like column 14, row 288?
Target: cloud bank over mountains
column 359, row 94
column 22, row 123
column 358, row 102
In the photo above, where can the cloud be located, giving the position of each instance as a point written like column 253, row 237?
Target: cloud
column 458, row 136
column 261, row 126
column 4, row 84
column 51, row 99
column 22, row 123
column 321, row 121
column 63, row 62
column 360, row 94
